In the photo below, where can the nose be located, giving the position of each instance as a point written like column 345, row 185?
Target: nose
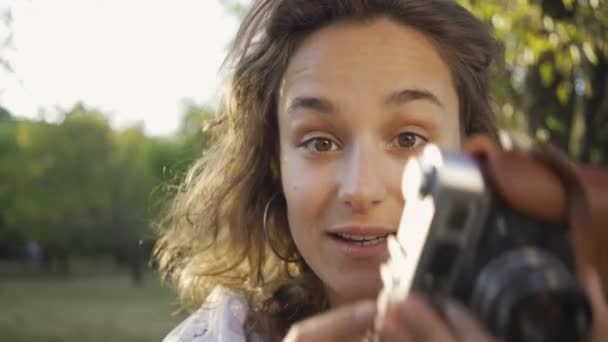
column 361, row 184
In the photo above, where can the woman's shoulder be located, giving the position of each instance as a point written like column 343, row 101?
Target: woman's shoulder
column 220, row 319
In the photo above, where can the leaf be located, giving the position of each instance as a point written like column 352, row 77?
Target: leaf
column 563, row 92
column 547, row 74
column 589, row 53
column 543, row 134
column 568, row 4
column 575, row 54
column 555, row 124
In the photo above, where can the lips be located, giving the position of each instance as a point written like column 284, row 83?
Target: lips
column 361, row 235
column 362, row 230
column 364, row 240
column 361, row 243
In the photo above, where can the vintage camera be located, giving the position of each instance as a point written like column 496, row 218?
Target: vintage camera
column 515, row 273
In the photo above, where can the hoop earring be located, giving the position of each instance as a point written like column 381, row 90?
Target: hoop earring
column 265, row 225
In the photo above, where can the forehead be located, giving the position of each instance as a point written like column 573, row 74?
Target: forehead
column 368, row 59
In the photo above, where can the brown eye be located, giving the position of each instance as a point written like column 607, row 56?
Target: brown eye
column 320, row 145
column 409, row 140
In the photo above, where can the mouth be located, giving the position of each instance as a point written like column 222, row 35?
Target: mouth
column 360, row 239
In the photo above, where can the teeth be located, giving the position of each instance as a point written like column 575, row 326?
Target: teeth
column 373, row 241
column 364, row 239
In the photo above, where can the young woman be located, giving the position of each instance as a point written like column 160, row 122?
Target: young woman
column 284, row 219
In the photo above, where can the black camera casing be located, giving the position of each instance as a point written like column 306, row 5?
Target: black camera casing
column 514, row 272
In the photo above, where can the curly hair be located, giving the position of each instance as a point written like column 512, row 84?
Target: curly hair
column 212, row 233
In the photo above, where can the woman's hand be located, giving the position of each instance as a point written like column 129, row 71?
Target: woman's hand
column 346, row 323
column 414, row 320
column 532, row 188
column 599, row 305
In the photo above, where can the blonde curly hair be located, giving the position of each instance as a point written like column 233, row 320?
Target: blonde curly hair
column 212, row 233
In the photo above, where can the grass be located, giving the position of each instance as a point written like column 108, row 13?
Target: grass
column 86, row 308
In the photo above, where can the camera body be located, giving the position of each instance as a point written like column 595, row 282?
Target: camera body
column 515, row 273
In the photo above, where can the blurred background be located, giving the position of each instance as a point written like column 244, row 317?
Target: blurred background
column 101, row 109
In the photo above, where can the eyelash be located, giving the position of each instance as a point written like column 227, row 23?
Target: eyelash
column 421, row 140
column 309, row 144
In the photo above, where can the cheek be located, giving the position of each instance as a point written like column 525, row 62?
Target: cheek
column 307, row 190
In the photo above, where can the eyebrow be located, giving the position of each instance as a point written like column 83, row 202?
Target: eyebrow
column 408, row 95
column 313, row 103
column 397, row 98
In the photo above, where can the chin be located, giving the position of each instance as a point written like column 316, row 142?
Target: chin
column 357, row 287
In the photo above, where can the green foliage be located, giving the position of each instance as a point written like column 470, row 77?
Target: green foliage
column 555, row 70
column 59, row 177
column 81, row 188
column 5, row 114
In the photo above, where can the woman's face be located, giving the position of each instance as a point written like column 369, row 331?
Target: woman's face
column 357, row 100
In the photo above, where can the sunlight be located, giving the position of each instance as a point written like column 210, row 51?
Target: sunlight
column 137, row 60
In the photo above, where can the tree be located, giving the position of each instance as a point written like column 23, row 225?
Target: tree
column 554, row 81
column 60, row 190
column 10, row 237
column 80, row 188
column 169, row 159
column 130, row 185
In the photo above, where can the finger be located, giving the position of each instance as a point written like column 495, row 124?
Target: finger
column 422, row 322
column 599, row 305
column 480, row 145
column 342, row 324
column 394, row 328
column 464, row 326
column 525, row 184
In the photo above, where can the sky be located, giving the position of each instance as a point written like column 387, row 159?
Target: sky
column 136, row 60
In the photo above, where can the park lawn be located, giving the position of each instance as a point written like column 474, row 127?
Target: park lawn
column 85, row 308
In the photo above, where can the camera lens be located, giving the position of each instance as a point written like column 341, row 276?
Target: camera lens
column 547, row 317
column 528, row 295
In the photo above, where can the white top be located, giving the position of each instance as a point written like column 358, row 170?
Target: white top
column 219, row 319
